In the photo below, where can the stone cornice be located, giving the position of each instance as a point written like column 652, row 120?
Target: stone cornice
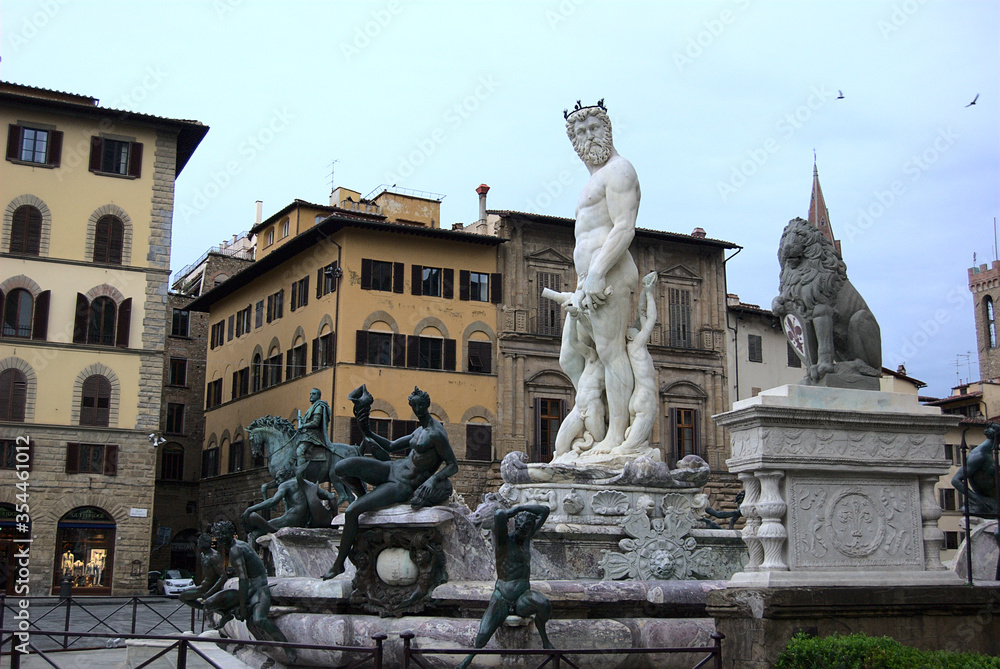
column 768, row 416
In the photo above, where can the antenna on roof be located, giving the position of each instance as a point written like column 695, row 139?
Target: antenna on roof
column 332, row 166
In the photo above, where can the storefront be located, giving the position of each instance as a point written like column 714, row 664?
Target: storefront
column 85, row 546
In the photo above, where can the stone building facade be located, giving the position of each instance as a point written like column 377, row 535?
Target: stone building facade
column 87, row 198
column 688, row 344
column 984, row 283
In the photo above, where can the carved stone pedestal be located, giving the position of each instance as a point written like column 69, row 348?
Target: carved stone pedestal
column 839, row 487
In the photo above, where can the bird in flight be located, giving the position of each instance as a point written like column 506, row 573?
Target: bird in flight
column 840, row 94
column 973, row 100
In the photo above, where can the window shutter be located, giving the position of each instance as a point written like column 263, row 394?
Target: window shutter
column 289, row 361
column 281, row 304
column 464, row 277
column 366, row 274
column 448, row 287
column 33, row 231
column 135, row 160
column 361, row 348
column 536, row 404
column 72, row 458
column 315, row 354
column 697, row 432
column 124, row 321
column 236, row 385
column 40, row 326
column 80, row 322
column 496, row 288
column 334, row 278
column 319, row 283
column 412, row 351
column 102, row 235
column 111, row 460
column 1, row 303
column 416, row 279
column 305, row 291
column 397, row 277
column 399, row 350
column 449, row 355
column 270, row 308
column 674, row 446
column 55, row 148
column 13, row 142
column 96, row 149
column 295, row 295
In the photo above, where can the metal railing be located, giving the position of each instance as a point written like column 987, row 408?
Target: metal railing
column 182, row 647
column 557, row 658
column 113, row 615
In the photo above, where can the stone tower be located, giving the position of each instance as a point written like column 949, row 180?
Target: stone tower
column 985, row 286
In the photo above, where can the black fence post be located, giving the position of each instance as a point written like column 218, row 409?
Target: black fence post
column 718, row 637
column 192, row 620
column 3, row 608
column 15, row 655
column 69, row 605
column 182, row 654
column 406, row 637
column 379, row 638
column 135, row 612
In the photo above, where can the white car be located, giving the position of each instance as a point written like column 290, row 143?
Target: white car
column 173, row 581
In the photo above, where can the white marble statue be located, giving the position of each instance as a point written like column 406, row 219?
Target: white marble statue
column 595, row 352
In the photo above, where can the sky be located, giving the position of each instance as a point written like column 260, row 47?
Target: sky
column 718, row 105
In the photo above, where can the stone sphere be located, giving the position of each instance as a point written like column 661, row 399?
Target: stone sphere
column 395, row 567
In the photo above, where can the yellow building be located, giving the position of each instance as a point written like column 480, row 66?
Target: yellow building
column 87, row 193
column 367, row 290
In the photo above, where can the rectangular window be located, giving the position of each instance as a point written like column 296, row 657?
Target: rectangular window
column 275, row 305
column 9, row 451
column 213, row 394
column 479, row 442
column 172, row 467
column 949, row 452
column 177, row 372
column 34, row 145
column 379, row 348
column 480, row 357
column 217, row 336
column 793, row 358
column 114, row 158
column 755, row 348
column 92, row 459
column 379, row 275
column 210, row 462
column 236, row 457
column 243, row 321
column 430, row 353
column 326, row 281
column 180, row 323
column 949, row 499
column 549, row 312
column 272, row 371
column 296, row 362
column 259, row 314
column 680, row 318
column 300, row 294
column 232, row 321
column 430, row 281
column 685, row 433
column 322, row 351
column 479, row 287
column 548, row 417
column 175, row 418
column 950, row 541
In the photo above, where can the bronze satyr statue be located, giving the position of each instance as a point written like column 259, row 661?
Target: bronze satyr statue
column 213, row 574
column 825, row 318
column 303, row 506
column 977, row 482
column 251, row 601
column 421, row 478
column 512, row 593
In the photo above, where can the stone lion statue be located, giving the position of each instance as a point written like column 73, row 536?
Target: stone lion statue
column 826, row 319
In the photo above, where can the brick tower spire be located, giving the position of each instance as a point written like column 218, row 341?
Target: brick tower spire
column 818, row 213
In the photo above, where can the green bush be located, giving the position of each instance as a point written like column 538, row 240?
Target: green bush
column 859, row 651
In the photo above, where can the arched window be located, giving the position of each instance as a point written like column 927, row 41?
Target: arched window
column 26, row 230
column 172, row 463
column 991, row 323
column 102, row 322
column 17, row 314
column 109, row 237
column 95, row 401
column 13, row 395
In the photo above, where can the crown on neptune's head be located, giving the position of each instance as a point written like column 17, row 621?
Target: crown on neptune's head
column 579, row 106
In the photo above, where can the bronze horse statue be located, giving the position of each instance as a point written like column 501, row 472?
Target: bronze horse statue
column 275, row 438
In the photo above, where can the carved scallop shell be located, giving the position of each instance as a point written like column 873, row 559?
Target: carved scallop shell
column 610, row 503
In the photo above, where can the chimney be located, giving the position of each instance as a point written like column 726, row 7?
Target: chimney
column 482, row 190
column 699, row 233
column 260, row 211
